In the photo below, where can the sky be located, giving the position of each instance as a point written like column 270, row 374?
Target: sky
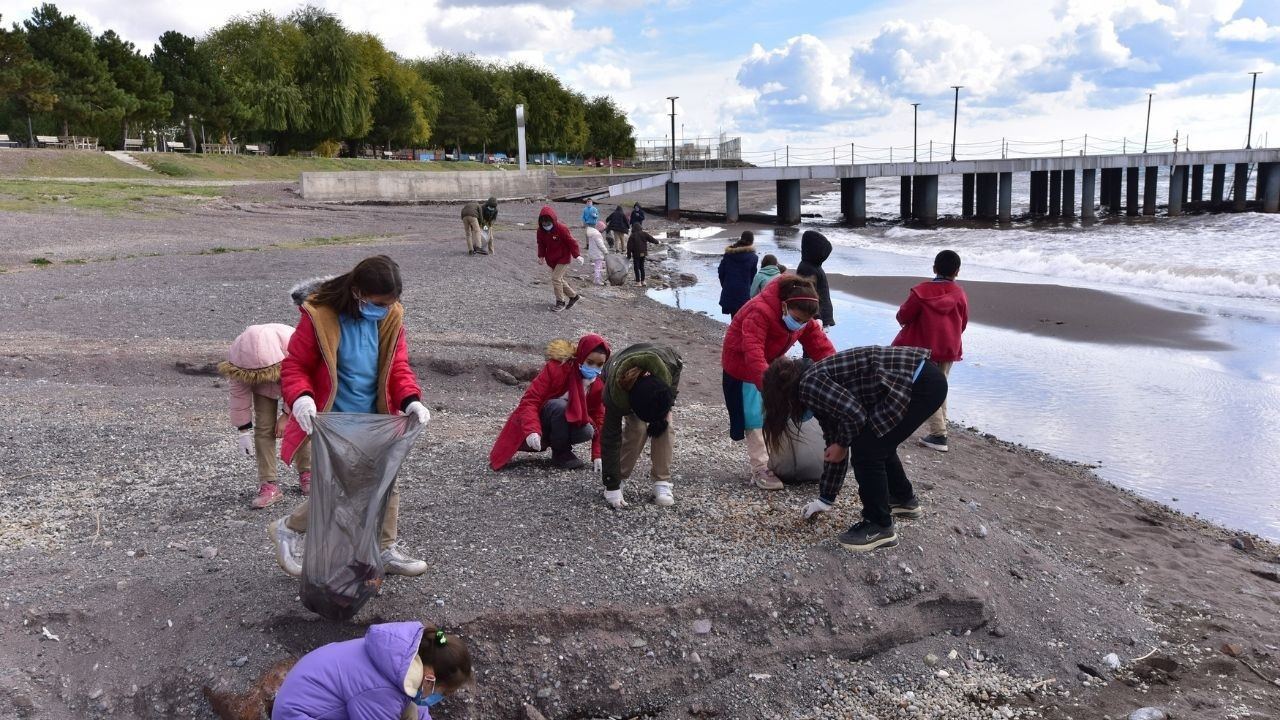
column 819, row 77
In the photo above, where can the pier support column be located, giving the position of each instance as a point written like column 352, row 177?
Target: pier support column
column 966, row 192
column 1149, row 190
column 1264, row 175
column 1240, row 187
column 1005, row 212
column 926, row 191
column 673, row 201
column 1105, row 195
column 1176, row 189
column 1271, row 201
column 904, row 200
column 853, row 199
column 731, row 201
column 788, row 202
column 1217, row 184
column 986, row 192
column 1039, row 192
column 1131, row 191
column 1055, row 193
column 1086, row 193
column 1115, row 190
column 1068, row 193
column 1197, row 188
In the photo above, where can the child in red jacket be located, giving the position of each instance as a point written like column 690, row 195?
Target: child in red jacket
column 934, row 316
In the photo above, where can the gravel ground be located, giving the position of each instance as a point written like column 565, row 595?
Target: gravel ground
column 126, row 532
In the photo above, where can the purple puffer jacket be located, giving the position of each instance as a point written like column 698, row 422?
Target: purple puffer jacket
column 353, row 680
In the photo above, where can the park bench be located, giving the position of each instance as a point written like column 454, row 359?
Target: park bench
column 388, row 155
column 217, row 148
column 50, row 141
column 133, row 144
column 82, row 143
column 6, row 142
column 254, row 150
column 175, row 146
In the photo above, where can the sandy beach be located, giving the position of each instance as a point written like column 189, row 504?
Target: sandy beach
column 126, row 532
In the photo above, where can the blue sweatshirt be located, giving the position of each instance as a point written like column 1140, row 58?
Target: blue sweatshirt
column 357, row 365
column 590, row 215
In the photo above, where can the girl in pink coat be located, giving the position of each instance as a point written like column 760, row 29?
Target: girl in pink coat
column 253, row 369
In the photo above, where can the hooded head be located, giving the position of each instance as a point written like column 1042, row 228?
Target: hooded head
column 601, row 226
column 491, row 201
column 547, row 214
column 256, row 354
column 814, row 247
column 393, row 650
column 651, row 401
column 590, row 343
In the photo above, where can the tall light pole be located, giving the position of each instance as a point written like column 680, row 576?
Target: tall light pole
column 915, row 111
column 955, row 118
column 1248, row 140
column 1147, row 132
column 673, row 99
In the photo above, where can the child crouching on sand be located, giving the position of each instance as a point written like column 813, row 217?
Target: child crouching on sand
column 397, row 670
column 641, row 384
column 253, row 369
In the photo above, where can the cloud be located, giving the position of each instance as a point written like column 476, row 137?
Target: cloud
column 597, row 79
column 802, row 80
column 926, row 59
column 1248, row 30
column 531, row 30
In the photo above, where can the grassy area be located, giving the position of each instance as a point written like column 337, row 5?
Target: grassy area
column 248, row 167
column 65, row 164
column 107, row 197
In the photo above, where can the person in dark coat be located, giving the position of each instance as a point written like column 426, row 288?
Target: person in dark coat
column 737, row 270
column 637, row 217
column 637, row 250
column 815, row 248
column 617, row 226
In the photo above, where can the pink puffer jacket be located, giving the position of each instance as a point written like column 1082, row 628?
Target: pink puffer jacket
column 253, row 367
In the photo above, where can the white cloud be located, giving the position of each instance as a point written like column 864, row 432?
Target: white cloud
column 925, row 59
column 1248, row 30
column 598, row 79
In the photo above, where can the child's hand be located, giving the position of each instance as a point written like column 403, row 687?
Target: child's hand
column 245, row 442
column 597, row 464
column 813, row 508
column 614, row 498
column 420, row 411
column 835, row 453
column 304, row 411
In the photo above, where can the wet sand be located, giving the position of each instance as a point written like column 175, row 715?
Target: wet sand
column 1057, row 311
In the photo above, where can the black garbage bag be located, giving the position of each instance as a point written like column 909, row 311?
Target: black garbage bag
column 355, row 458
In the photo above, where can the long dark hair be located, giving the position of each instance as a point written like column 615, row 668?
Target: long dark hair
column 377, row 275
column 747, row 238
column 448, row 656
column 792, row 286
column 781, row 398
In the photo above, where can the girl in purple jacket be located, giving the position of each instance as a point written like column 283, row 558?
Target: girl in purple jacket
column 397, row 670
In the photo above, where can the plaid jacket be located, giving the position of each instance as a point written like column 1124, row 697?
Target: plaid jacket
column 862, row 387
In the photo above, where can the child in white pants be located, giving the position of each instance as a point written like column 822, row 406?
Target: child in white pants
column 596, row 251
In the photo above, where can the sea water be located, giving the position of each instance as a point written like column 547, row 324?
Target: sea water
column 1199, row 430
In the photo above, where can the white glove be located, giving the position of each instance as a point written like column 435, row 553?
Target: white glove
column 813, row 508
column 534, row 441
column 597, row 464
column 245, row 442
column 581, row 260
column 420, row 411
column 614, row 498
column 304, row 411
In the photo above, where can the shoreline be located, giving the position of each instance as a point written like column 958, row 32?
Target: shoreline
column 578, row 610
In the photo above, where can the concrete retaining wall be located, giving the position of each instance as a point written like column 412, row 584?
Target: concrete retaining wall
column 423, row 186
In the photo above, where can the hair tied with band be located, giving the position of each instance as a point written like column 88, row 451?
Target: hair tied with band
column 440, row 638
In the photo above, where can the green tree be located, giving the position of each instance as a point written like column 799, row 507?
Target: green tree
column 335, row 84
column 609, row 132
column 145, row 99
column 188, row 76
column 406, row 105
column 555, row 118
column 25, row 82
column 258, row 56
column 86, row 94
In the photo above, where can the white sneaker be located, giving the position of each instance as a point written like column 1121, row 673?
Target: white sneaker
column 395, row 562
column 662, row 496
column 286, row 543
column 766, row 480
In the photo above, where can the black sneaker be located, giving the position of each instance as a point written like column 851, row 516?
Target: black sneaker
column 559, row 306
column 866, row 536
column 573, row 301
column 906, row 509
column 936, row 442
column 566, row 459
column 471, row 252
column 481, row 251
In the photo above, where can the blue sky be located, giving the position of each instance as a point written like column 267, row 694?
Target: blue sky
column 826, row 74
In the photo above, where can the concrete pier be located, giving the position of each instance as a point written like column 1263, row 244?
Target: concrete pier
column 924, row 197
column 853, row 199
column 1105, row 191
column 1240, row 187
column 1006, row 197
column 1197, row 188
column 1068, row 193
column 1131, row 191
column 1055, row 193
column 1086, row 193
column 1217, row 185
column 1264, row 171
column 966, row 195
column 1149, row 190
column 1177, row 189
column 731, row 201
column 904, row 199
column 673, row 201
column 1039, row 192
column 789, row 202
column 1271, row 200
column 987, row 190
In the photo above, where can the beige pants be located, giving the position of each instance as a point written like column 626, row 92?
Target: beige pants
column 757, row 451
column 937, row 422
column 299, row 518
column 265, row 416
column 634, row 433
column 618, row 240
column 559, row 285
column 471, row 227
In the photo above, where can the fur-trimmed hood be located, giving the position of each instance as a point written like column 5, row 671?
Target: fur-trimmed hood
column 305, row 289
column 735, row 249
column 256, row 354
column 560, row 350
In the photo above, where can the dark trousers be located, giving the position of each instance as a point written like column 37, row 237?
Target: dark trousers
column 875, row 459
column 557, row 433
column 637, row 264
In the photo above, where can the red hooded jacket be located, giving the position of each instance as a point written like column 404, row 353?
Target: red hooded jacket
column 933, row 317
column 757, row 337
column 559, row 376
column 557, row 246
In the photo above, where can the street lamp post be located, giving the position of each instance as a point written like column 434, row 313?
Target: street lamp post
column 1248, row 140
column 955, row 118
column 673, row 99
column 1147, row 132
column 915, row 112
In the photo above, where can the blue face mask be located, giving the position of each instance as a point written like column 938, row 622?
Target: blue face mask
column 428, row 700
column 792, row 324
column 806, row 416
column 369, row 311
column 589, row 372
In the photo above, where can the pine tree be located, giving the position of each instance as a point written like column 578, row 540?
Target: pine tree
column 86, row 93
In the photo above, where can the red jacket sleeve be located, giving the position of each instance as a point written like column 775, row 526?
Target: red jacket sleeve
column 528, row 412
column 303, row 357
column 817, row 346
column 910, row 310
column 755, row 331
column 401, row 381
column 964, row 311
column 542, row 244
column 569, row 240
